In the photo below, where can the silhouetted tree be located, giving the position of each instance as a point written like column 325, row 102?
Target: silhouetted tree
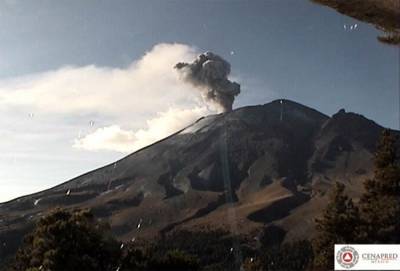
column 289, row 256
column 67, row 241
column 380, row 204
column 133, row 258
column 148, row 258
column 215, row 249
column 338, row 225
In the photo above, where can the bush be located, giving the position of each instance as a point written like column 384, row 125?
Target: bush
column 292, row 256
column 67, row 241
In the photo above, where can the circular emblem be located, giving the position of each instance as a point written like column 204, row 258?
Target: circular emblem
column 347, row 257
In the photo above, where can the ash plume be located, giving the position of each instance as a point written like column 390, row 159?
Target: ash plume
column 209, row 73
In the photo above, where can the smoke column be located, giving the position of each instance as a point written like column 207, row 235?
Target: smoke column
column 209, row 73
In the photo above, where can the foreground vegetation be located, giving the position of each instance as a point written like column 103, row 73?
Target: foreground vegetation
column 374, row 220
column 75, row 240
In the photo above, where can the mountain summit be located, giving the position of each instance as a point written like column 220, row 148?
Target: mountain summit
column 242, row 170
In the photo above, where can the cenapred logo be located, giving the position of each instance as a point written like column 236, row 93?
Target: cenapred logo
column 347, row 257
column 367, row 257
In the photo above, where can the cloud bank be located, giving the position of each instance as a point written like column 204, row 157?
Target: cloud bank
column 134, row 106
column 115, row 138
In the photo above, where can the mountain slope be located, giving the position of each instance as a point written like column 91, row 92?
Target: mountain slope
column 241, row 170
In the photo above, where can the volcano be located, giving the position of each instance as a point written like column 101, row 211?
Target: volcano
column 245, row 170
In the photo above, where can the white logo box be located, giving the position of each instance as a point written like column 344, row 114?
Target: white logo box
column 367, row 257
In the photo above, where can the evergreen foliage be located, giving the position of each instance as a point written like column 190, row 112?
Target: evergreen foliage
column 338, row 225
column 376, row 220
column 67, row 241
column 380, row 204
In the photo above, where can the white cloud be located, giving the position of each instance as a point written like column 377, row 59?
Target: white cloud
column 107, row 138
column 147, row 99
column 146, row 84
column 117, row 139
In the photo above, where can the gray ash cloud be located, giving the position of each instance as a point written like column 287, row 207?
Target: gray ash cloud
column 209, row 73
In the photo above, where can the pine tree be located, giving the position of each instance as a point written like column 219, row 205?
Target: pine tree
column 380, row 204
column 67, row 241
column 338, row 225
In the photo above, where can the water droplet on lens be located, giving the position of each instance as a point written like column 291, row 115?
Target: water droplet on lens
column 36, row 202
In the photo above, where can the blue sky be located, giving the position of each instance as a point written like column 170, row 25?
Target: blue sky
column 277, row 48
